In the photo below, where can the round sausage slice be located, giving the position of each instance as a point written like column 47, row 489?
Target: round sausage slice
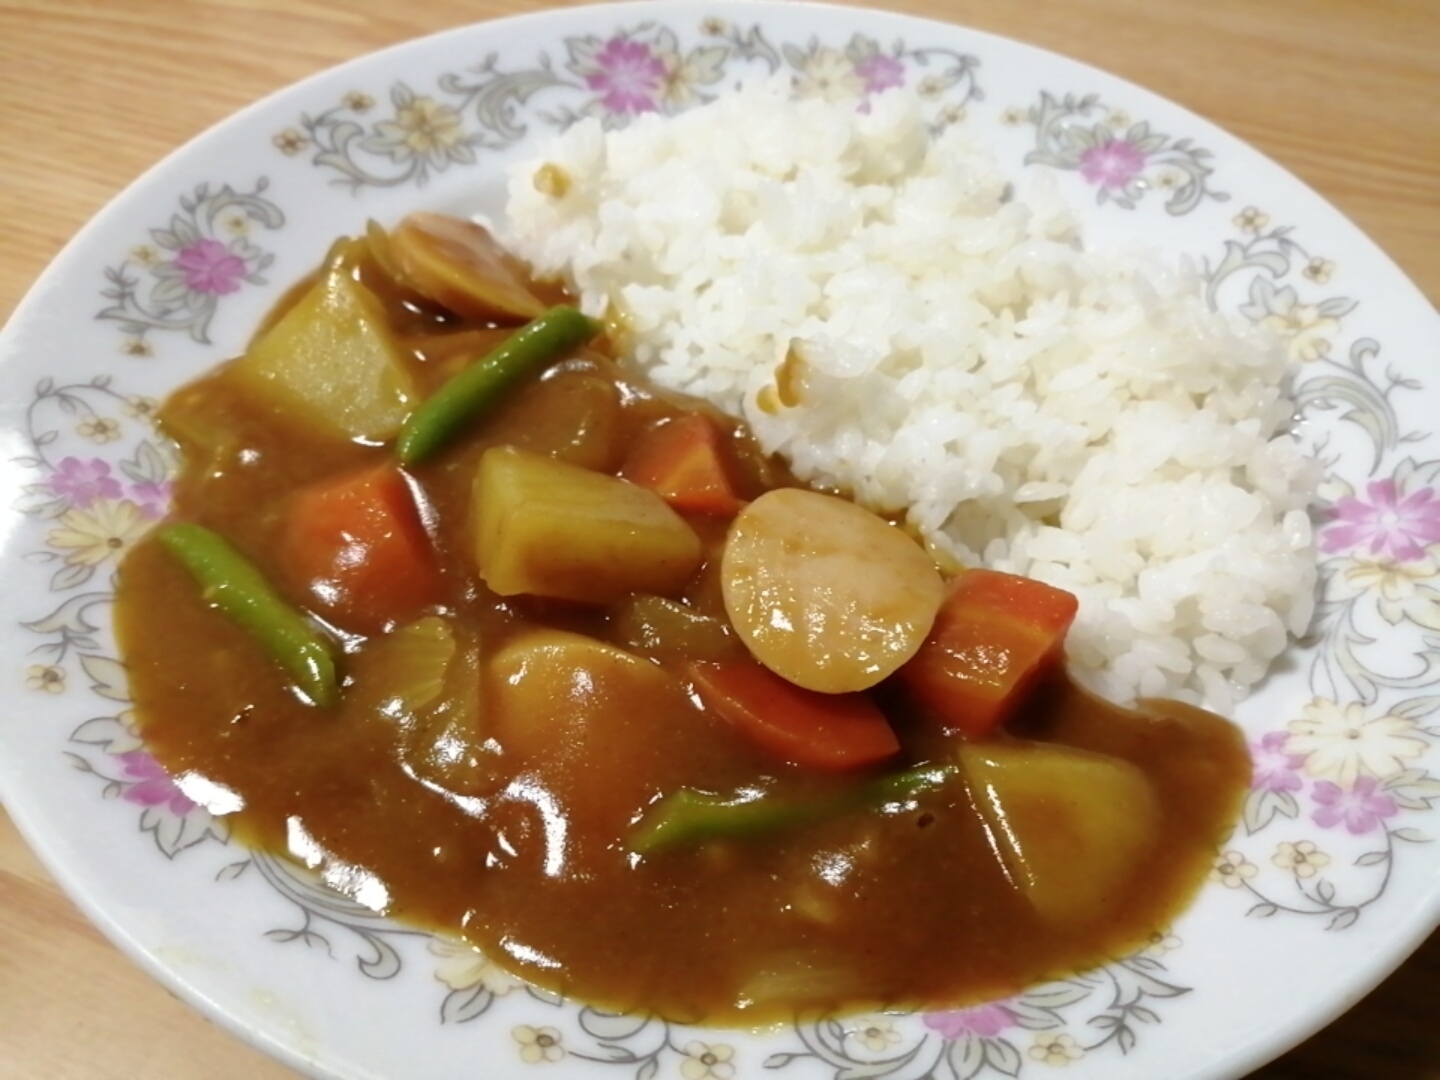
column 825, row 593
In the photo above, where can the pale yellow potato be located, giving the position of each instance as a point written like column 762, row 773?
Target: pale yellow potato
column 588, row 721
column 825, row 593
column 548, row 686
column 1071, row 827
column 548, row 528
column 332, row 362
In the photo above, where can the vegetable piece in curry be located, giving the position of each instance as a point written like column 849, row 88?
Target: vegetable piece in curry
column 613, row 697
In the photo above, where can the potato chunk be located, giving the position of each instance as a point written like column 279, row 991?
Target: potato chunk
column 331, row 361
column 549, row 528
column 548, row 685
column 1070, row 826
column 584, row 720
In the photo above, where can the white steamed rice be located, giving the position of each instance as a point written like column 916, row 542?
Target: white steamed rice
column 955, row 356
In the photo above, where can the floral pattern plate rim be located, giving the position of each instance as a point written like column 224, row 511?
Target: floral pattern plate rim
column 1329, row 880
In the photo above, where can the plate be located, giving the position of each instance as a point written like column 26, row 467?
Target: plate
column 1329, row 880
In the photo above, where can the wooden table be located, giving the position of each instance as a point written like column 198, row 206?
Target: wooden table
column 1342, row 92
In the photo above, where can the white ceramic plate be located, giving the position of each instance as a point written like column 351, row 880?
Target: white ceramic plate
column 1329, row 881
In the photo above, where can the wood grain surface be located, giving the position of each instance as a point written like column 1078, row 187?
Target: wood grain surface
column 1344, row 93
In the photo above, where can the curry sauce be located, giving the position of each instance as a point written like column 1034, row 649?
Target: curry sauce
column 500, row 806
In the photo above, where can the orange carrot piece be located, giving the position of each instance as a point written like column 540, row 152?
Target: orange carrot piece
column 681, row 460
column 995, row 637
column 803, row 727
column 357, row 547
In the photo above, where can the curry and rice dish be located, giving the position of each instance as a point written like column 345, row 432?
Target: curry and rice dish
column 548, row 731
column 507, row 640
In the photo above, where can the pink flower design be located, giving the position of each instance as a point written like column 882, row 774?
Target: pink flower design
column 1112, row 164
column 151, row 785
column 209, row 267
column 1275, row 770
column 1388, row 524
column 82, row 482
column 630, row 78
column 985, row 1021
column 1359, row 808
column 152, row 496
column 880, row 72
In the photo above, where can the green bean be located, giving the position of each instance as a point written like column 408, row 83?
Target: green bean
column 687, row 817
column 231, row 583
column 902, row 786
column 478, row 387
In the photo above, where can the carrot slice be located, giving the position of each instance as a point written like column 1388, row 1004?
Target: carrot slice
column 681, row 461
column 357, row 546
column 804, row 727
column 995, row 637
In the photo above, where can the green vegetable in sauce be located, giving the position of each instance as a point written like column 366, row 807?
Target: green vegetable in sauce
column 687, row 817
column 477, row 387
column 231, row 583
column 898, row 787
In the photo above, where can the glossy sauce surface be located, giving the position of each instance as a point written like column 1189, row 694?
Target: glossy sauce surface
column 513, row 830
